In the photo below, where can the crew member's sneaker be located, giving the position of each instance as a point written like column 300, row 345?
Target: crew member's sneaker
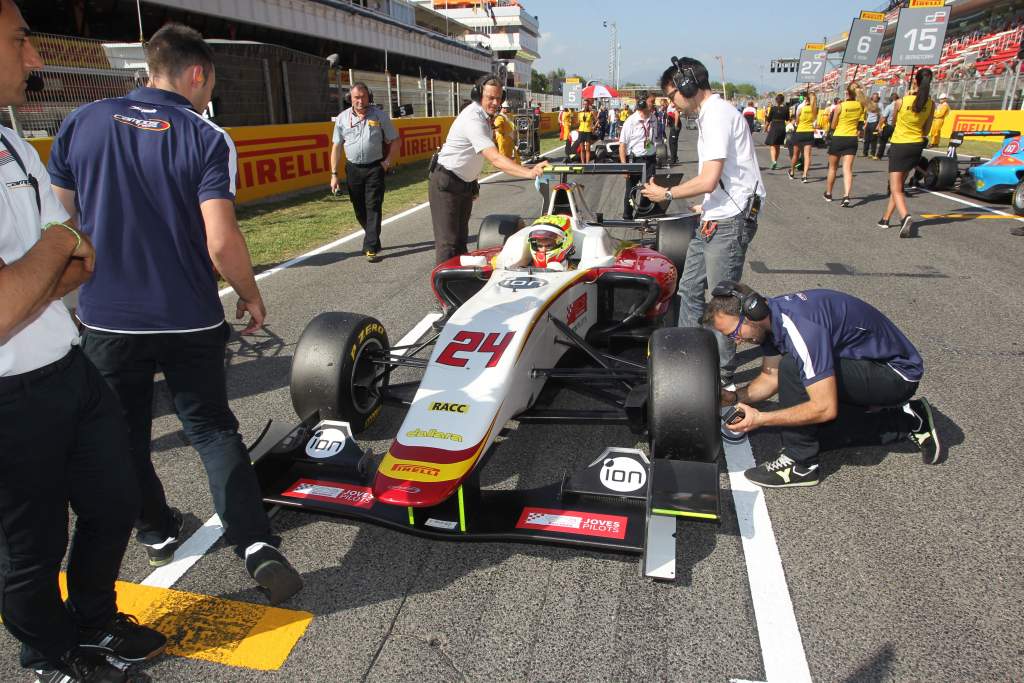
column 925, row 435
column 783, row 472
column 775, row 165
column 805, row 180
column 372, row 256
column 271, row 570
column 81, row 667
column 907, row 228
column 845, row 203
column 123, row 637
column 163, row 552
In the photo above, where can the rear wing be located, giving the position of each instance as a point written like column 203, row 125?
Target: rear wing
column 565, row 170
column 957, row 138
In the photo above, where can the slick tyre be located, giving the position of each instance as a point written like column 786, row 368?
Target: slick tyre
column 497, row 228
column 941, row 174
column 684, row 394
column 333, row 371
column 673, row 239
column 1017, row 200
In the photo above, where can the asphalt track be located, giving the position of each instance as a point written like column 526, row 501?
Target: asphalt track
column 896, row 570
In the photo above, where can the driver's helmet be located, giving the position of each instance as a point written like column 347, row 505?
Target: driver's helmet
column 550, row 240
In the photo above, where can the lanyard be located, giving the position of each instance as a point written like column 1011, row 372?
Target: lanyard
column 21, row 164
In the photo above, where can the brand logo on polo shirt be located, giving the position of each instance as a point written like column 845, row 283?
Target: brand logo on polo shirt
column 156, row 125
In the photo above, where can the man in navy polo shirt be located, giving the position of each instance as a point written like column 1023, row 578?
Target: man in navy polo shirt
column 844, row 373
column 153, row 184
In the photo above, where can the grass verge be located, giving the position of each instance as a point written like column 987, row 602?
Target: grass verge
column 281, row 230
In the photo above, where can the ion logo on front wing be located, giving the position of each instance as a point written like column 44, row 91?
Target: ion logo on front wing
column 573, row 522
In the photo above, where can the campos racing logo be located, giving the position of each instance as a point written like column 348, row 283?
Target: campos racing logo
column 524, row 282
column 936, row 17
column 155, row 125
column 449, row 407
column 325, row 443
column 398, row 468
column 434, row 434
column 623, row 475
column 969, row 123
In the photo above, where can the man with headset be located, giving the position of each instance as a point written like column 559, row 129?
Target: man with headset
column 730, row 182
column 368, row 136
column 844, row 373
column 455, row 169
column 636, row 145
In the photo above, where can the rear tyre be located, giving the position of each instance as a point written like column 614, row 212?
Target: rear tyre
column 333, row 372
column 683, row 399
column 1017, row 200
column 497, row 228
column 941, row 173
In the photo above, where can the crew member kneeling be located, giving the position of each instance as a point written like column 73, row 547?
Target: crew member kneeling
column 844, row 374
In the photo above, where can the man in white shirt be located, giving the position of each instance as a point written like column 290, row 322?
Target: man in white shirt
column 456, row 168
column 63, row 440
column 636, row 145
column 730, row 182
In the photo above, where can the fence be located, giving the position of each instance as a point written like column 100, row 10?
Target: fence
column 258, row 84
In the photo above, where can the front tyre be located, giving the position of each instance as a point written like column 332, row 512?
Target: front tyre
column 333, row 370
column 1017, row 200
column 684, row 394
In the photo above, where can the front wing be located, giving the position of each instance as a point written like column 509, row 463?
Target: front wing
column 621, row 502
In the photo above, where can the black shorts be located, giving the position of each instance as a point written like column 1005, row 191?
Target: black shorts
column 903, row 156
column 585, row 137
column 803, row 138
column 843, row 145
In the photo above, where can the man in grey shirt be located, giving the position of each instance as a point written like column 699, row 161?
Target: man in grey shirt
column 453, row 178
column 886, row 124
column 367, row 133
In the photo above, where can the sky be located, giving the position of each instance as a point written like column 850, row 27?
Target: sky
column 747, row 34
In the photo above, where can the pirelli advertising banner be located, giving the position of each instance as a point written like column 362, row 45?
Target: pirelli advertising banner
column 278, row 160
column 920, row 32
column 971, row 120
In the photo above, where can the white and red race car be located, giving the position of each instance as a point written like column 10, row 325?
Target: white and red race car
column 604, row 327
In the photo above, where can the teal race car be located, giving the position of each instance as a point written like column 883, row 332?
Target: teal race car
column 1001, row 178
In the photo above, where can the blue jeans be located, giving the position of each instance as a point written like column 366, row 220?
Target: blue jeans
column 707, row 264
column 193, row 365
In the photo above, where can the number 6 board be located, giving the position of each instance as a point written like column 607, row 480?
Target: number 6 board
column 864, row 41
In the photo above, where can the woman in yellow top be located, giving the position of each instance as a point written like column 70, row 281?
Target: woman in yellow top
column 585, row 127
column 913, row 113
column 938, row 120
column 803, row 137
column 505, row 133
column 844, row 140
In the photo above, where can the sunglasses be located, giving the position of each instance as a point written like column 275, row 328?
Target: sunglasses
column 735, row 334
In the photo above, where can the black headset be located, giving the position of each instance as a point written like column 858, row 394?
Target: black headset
column 753, row 306
column 358, row 84
column 641, row 100
column 684, row 79
column 477, row 93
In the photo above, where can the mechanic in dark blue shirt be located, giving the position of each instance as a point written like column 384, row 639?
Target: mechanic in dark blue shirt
column 153, row 185
column 844, row 373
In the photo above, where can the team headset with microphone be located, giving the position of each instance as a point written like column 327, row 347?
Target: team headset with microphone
column 359, row 84
column 684, row 79
column 753, row 306
column 477, row 92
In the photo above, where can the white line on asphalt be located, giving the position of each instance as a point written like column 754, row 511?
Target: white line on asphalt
column 782, row 648
column 976, row 206
column 348, row 238
column 203, row 539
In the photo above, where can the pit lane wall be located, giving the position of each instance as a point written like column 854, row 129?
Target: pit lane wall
column 279, row 160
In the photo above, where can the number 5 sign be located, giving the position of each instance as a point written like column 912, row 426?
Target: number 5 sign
column 864, row 40
column 812, row 63
column 920, row 33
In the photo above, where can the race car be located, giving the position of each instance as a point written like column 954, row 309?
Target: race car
column 999, row 179
column 602, row 325
column 607, row 151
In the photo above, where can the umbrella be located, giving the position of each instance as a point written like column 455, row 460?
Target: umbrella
column 593, row 92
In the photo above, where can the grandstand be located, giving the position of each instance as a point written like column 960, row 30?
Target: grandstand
column 979, row 63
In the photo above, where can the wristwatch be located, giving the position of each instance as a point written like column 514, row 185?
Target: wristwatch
column 334, row 173
column 668, row 195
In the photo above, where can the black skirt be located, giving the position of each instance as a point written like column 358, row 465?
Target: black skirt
column 803, row 138
column 843, row 145
column 776, row 133
column 903, row 156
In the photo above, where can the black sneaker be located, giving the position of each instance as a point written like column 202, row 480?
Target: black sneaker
column 783, row 472
column 845, row 203
column 271, row 570
column 828, row 197
column 925, row 435
column 805, row 179
column 163, row 552
column 907, row 228
column 883, row 224
column 81, row 667
column 123, row 637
